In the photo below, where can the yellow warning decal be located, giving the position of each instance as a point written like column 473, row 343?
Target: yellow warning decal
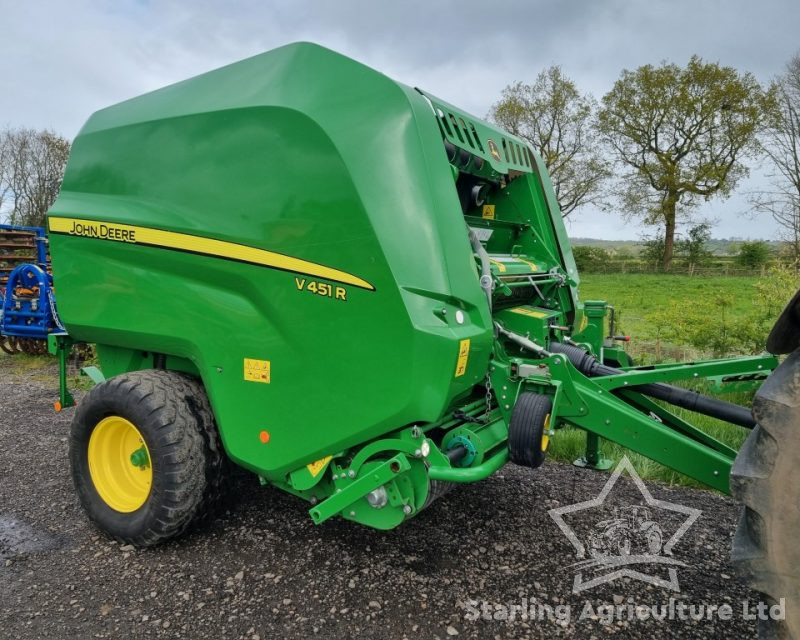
column 529, row 312
column 488, row 211
column 463, row 356
column 256, row 370
column 529, row 263
column 200, row 245
column 500, row 266
column 314, row 468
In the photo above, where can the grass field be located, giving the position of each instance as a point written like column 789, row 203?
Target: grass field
column 635, row 296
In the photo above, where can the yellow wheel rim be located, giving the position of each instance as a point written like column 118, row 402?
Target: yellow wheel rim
column 546, row 433
column 119, row 464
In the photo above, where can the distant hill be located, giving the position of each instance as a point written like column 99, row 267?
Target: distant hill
column 718, row 246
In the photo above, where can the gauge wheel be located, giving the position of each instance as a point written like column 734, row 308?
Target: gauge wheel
column 529, row 429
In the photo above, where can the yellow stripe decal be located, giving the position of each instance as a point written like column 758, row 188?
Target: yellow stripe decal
column 200, row 245
column 529, row 312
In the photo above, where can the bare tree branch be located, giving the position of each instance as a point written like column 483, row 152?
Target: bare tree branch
column 31, row 168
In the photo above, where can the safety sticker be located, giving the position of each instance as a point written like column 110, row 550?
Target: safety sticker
column 314, row 468
column 529, row 312
column 256, row 370
column 463, row 356
column 488, row 211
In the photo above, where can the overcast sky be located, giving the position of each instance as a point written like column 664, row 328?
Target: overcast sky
column 61, row 60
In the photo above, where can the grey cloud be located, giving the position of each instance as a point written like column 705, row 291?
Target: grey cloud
column 63, row 60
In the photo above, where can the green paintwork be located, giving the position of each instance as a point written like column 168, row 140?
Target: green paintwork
column 93, row 373
column 176, row 242
column 271, row 153
column 60, row 346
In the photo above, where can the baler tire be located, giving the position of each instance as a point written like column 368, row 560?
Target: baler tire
column 526, row 429
column 766, row 479
column 217, row 467
column 171, row 412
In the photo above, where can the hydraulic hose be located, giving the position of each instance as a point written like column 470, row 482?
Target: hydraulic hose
column 589, row 366
column 486, row 269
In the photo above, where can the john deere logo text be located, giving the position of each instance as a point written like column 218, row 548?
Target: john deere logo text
column 105, row 231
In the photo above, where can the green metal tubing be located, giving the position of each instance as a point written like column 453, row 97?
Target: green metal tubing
column 613, row 419
column 646, row 405
column 469, row 474
column 60, row 345
column 593, row 457
column 526, row 282
column 689, row 370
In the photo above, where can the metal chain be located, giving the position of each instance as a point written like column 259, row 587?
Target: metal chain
column 51, row 299
column 488, row 385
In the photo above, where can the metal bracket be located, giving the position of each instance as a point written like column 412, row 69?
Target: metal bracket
column 357, row 489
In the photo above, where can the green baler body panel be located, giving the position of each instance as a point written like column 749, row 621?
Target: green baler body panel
column 310, row 156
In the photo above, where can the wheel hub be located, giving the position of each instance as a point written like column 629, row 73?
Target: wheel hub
column 119, row 464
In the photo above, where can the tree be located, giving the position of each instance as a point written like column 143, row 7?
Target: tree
column 682, row 133
column 31, row 168
column 553, row 116
column 694, row 247
column 753, row 254
column 590, row 258
column 652, row 251
column 781, row 141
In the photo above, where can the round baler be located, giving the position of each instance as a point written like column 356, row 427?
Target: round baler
column 352, row 289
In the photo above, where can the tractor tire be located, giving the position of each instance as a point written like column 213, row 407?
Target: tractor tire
column 766, row 479
column 527, row 430
column 145, row 456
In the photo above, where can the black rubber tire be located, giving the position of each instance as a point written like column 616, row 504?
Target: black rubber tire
column 526, row 429
column 766, row 479
column 172, row 413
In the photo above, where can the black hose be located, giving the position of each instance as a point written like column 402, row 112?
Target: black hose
column 589, row 366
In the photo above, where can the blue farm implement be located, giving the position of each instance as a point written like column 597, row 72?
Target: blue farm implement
column 27, row 303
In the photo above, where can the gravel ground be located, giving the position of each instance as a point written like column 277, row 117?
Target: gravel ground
column 263, row 570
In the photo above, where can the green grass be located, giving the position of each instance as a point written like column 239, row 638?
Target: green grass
column 44, row 369
column 635, row 296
